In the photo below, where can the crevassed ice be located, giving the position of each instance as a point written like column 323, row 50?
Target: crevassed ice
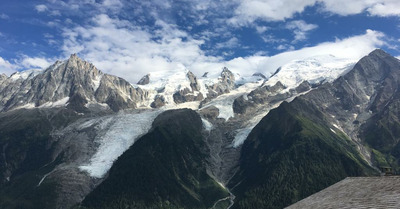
column 120, row 136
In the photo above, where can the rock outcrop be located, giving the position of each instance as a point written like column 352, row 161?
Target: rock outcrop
column 145, row 80
column 189, row 95
column 73, row 82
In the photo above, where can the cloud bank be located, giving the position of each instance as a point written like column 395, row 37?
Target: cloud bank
column 249, row 11
column 118, row 47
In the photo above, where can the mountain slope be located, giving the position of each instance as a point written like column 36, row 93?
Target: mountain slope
column 27, row 154
column 318, row 139
column 166, row 168
column 290, row 155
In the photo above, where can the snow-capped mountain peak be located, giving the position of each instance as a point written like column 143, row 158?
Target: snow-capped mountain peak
column 314, row 70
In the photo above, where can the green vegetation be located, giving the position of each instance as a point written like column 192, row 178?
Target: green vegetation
column 26, row 145
column 165, row 168
column 290, row 155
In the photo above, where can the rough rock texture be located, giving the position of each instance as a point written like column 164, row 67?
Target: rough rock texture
column 260, row 75
column 226, row 83
column 356, row 100
column 75, row 80
column 356, row 192
column 145, row 80
column 189, row 95
column 267, row 95
column 159, row 101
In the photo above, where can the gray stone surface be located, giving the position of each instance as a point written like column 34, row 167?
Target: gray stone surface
column 356, row 192
column 145, row 80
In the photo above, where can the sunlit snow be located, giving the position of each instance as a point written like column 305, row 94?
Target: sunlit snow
column 119, row 137
column 96, row 82
column 314, row 70
column 166, row 84
column 25, row 74
column 59, row 103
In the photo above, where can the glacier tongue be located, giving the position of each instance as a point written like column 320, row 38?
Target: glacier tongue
column 120, row 136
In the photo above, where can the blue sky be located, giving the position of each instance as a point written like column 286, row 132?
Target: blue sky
column 131, row 38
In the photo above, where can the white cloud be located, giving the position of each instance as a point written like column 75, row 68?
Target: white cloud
column 249, row 11
column 24, row 63
column 34, row 62
column 268, row 38
column 285, row 47
column 300, row 29
column 112, row 4
column 385, row 8
column 231, row 43
column 41, row 8
column 6, row 67
column 55, row 13
column 4, row 16
column 130, row 51
column 353, row 48
column 261, row 29
column 270, row 10
column 122, row 49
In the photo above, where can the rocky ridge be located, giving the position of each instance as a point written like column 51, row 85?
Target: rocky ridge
column 85, row 145
column 74, row 83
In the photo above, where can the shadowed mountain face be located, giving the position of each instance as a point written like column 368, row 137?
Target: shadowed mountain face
column 320, row 138
column 166, row 168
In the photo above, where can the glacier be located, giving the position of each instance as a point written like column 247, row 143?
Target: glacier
column 125, row 130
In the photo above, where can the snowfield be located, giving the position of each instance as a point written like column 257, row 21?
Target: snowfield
column 314, row 70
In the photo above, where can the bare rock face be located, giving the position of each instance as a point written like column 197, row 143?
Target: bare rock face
column 260, row 75
column 189, row 95
column 3, row 77
column 225, row 84
column 159, row 101
column 74, row 82
column 145, row 80
column 193, row 81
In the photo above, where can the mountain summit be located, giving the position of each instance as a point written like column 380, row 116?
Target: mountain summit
column 72, row 83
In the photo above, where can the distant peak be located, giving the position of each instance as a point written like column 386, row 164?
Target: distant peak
column 74, row 57
column 144, row 80
column 225, row 69
column 379, row 52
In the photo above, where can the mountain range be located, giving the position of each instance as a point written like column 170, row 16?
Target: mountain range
column 72, row 136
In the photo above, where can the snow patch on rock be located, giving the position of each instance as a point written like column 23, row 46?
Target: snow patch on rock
column 207, row 125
